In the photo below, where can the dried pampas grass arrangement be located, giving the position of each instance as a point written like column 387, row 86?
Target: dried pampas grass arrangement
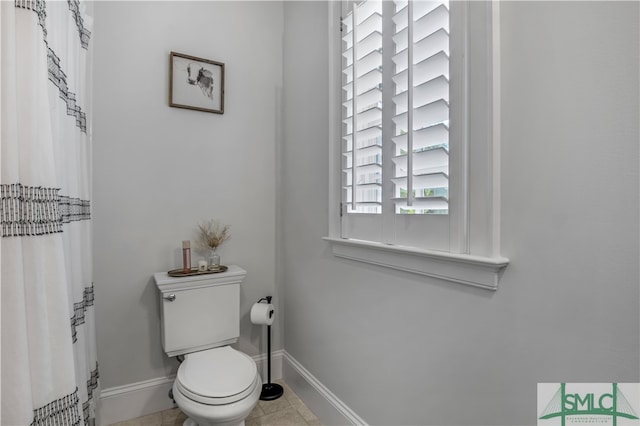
column 212, row 234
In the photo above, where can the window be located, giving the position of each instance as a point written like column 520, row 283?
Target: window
column 416, row 95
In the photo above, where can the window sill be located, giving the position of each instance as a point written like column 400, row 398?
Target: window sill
column 477, row 271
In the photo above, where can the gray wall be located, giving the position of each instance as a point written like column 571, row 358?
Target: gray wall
column 403, row 349
column 158, row 171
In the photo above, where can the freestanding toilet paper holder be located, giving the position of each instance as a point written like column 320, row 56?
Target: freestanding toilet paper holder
column 270, row 391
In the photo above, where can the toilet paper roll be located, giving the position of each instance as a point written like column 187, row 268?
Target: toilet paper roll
column 262, row 313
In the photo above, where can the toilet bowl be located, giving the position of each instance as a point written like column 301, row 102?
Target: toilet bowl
column 219, row 386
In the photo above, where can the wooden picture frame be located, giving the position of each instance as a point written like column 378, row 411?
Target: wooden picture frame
column 196, row 83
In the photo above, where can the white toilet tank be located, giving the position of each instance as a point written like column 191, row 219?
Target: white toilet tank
column 200, row 311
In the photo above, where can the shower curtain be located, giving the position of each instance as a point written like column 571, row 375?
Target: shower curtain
column 49, row 366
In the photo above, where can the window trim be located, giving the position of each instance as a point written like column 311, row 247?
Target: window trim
column 477, row 271
column 481, row 264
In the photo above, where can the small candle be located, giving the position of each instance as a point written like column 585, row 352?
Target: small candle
column 202, row 265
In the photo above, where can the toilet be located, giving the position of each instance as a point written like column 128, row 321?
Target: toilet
column 200, row 318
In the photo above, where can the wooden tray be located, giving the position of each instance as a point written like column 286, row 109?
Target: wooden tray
column 194, row 271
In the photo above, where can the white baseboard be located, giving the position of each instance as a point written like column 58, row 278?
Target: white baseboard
column 127, row 402
column 134, row 400
column 320, row 400
column 276, row 365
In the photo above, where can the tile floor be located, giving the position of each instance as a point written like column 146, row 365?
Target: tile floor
column 288, row 410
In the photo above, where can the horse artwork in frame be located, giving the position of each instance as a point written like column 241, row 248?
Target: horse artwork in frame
column 196, row 83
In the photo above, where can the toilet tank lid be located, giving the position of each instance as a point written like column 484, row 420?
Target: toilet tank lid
column 217, row 373
column 164, row 282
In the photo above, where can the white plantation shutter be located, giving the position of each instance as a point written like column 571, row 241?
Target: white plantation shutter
column 362, row 108
column 395, row 122
column 421, row 107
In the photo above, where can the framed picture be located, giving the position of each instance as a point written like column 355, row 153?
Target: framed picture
column 196, row 83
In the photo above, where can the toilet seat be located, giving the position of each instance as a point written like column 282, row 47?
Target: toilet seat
column 217, row 376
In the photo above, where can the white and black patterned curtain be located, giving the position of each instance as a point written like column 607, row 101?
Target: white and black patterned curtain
column 49, row 364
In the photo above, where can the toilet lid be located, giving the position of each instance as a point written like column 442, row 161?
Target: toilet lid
column 218, row 373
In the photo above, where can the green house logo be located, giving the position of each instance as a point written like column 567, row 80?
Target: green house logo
column 589, row 403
